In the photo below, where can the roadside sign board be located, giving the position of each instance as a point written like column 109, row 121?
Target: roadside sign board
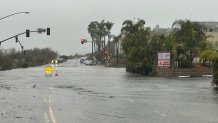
column 164, row 59
column 48, row 70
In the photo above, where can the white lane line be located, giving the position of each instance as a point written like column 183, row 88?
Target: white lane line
column 50, row 88
column 164, row 115
column 46, row 117
column 161, row 114
column 52, row 115
column 45, row 101
column 131, row 101
column 49, row 100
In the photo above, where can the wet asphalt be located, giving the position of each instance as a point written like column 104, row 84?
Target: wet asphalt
column 98, row 94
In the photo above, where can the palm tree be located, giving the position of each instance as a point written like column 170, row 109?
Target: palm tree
column 108, row 26
column 116, row 40
column 102, row 32
column 92, row 31
column 127, row 27
column 189, row 35
column 130, row 27
column 95, row 32
column 98, row 31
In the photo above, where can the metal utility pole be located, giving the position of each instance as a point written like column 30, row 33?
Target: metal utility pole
column 14, row 14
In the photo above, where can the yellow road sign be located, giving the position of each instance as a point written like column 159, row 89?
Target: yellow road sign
column 48, row 70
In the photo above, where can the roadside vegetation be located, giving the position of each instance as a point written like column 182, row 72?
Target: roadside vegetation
column 12, row 58
column 211, row 57
column 185, row 40
column 98, row 32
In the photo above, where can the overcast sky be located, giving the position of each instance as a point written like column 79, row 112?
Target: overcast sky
column 68, row 19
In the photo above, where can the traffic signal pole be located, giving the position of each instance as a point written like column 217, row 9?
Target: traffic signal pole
column 92, row 48
column 85, row 41
column 27, row 34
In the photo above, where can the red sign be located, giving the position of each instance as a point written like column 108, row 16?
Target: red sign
column 164, row 59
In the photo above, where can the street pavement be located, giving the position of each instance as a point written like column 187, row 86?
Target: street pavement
column 98, row 94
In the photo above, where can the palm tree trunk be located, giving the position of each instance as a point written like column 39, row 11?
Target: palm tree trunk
column 92, row 48
column 99, row 45
column 109, row 47
column 104, row 43
column 117, row 52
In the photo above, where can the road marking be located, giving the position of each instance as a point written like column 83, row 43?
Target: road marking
column 46, row 117
column 49, row 100
column 52, row 115
column 45, row 101
column 161, row 114
column 131, row 101
column 164, row 115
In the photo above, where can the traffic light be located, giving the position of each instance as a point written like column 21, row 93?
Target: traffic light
column 105, row 55
column 82, row 41
column 27, row 33
column 16, row 39
column 48, row 31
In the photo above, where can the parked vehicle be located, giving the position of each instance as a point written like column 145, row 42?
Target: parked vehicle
column 89, row 62
column 82, row 61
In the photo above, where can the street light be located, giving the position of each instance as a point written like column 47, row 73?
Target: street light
column 14, row 14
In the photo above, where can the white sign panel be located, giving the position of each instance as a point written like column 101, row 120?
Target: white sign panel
column 164, row 59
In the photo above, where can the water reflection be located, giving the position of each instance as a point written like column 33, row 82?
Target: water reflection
column 215, row 90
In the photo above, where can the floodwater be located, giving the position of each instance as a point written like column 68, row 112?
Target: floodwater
column 98, row 94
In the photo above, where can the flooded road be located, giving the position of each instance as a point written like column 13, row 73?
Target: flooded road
column 96, row 94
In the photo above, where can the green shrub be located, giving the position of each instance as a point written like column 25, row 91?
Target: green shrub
column 140, row 69
column 25, row 65
column 6, row 67
column 215, row 72
column 185, row 64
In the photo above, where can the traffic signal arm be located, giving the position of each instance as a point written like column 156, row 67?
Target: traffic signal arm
column 84, row 41
column 27, row 32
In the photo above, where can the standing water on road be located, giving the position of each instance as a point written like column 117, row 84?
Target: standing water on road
column 97, row 94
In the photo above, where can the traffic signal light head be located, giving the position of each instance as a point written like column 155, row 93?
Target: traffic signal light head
column 27, row 33
column 82, row 41
column 105, row 53
column 48, row 31
column 16, row 39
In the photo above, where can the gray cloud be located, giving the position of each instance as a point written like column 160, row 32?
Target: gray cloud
column 69, row 19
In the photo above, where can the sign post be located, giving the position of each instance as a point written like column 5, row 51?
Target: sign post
column 163, row 60
column 48, row 71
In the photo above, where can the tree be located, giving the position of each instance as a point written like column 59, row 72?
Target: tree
column 98, row 31
column 211, row 56
column 93, row 31
column 140, row 48
column 129, row 27
column 190, row 37
column 116, row 40
column 108, row 26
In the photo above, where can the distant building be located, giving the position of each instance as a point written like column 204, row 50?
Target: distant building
column 214, row 37
column 211, row 26
column 212, row 30
column 159, row 30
